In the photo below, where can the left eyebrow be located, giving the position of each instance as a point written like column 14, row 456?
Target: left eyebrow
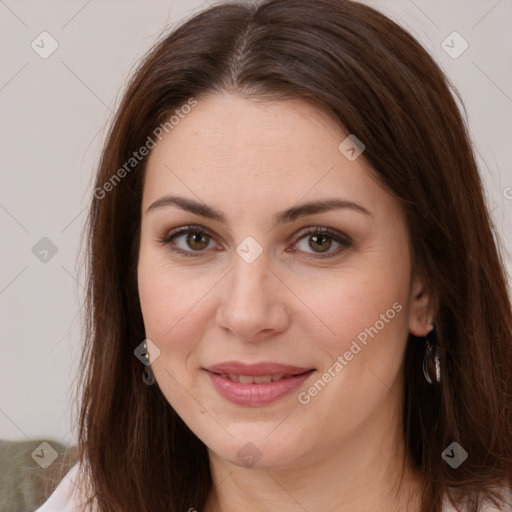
column 284, row 216
column 291, row 214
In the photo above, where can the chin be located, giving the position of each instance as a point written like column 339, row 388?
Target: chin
column 260, row 451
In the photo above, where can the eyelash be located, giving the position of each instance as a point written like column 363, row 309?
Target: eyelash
column 343, row 240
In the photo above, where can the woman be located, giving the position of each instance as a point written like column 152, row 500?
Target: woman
column 296, row 301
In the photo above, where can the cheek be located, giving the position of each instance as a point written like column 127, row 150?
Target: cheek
column 362, row 360
column 352, row 302
column 155, row 300
column 171, row 302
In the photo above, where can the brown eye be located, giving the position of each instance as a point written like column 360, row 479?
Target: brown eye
column 188, row 241
column 320, row 243
column 197, row 240
column 194, row 241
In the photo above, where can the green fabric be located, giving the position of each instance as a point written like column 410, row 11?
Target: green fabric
column 25, row 484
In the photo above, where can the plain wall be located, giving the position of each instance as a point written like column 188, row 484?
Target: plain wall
column 53, row 115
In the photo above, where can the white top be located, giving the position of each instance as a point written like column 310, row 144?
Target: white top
column 61, row 501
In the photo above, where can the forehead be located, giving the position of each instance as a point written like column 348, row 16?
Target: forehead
column 254, row 153
column 226, row 124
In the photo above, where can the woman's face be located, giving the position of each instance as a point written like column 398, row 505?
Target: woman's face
column 278, row 346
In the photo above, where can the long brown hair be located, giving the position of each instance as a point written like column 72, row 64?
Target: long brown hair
column 380, row 84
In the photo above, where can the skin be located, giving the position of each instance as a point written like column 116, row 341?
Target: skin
column 343, row 450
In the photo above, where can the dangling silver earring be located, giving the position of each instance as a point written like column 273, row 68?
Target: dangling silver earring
column 431, row 353
column 148, row 376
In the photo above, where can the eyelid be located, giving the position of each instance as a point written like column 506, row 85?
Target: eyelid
column 169, row 237
column 339, row 237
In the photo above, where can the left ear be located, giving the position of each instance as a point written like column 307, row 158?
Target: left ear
column 422, row 307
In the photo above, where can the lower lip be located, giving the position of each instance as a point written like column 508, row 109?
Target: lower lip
column 256, row 394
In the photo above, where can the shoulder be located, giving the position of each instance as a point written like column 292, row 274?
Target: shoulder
column 67, row 496
column 506, row 506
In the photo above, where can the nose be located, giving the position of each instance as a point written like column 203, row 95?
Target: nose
column 253, row 301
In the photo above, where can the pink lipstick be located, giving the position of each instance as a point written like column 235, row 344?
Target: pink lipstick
column 256, row 384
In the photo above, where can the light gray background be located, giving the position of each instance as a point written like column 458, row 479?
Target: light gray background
column 53, row 116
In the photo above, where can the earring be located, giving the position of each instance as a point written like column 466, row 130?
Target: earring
column 431, row 353
column 148, row 376
column 146, row 354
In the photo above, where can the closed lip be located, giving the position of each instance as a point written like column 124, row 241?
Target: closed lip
column 256, row 369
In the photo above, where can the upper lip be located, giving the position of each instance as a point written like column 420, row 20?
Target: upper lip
column 258, row 369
